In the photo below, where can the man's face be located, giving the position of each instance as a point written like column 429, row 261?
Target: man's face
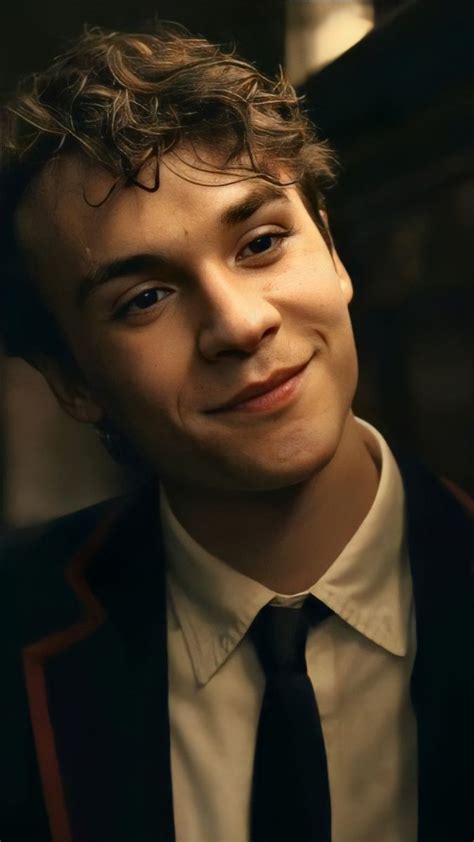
column 174, row 301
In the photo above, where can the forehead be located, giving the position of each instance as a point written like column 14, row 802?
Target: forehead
column 65, row 215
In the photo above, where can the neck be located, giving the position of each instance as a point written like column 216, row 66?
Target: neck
column 287, row 539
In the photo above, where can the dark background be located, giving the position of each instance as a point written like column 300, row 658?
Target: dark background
column 398, row 108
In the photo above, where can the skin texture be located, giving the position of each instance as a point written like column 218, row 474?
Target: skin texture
column 234, row 304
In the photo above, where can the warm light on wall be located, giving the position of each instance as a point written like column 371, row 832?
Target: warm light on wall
column 318, row 31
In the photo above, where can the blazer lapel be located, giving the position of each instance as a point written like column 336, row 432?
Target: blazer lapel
column 442, row 687
column 98, row 690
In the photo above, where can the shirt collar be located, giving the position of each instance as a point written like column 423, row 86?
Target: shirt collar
column 368, row 585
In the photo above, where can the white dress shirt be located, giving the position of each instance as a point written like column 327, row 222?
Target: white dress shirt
column 359, row 662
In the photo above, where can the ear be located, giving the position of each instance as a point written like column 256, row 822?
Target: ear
column 70, row 389
column 344, row 279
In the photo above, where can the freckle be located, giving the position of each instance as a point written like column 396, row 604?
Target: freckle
column 186, row 232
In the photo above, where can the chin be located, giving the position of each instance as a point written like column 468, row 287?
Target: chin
column 282, row 469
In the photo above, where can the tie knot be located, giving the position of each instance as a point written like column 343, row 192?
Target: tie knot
column 279, row 634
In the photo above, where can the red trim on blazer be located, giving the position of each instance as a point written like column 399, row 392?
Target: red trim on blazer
column 462, row 496
column 34, row 657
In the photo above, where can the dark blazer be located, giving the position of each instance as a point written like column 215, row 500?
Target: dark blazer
column 84, row 726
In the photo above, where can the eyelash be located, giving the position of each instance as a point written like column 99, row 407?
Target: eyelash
column 280, row 236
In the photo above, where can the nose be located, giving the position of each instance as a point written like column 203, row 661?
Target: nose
column 235, row 316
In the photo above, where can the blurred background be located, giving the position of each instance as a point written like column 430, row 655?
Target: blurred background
column 390, row 84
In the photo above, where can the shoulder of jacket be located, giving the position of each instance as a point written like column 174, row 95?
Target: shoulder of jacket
column 51, row 542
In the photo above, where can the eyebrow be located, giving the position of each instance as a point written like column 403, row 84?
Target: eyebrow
column 259, row 195
column 137, row 264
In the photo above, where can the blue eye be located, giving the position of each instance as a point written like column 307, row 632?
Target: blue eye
column 143, row 301
column 146, row 299
column 270, row 243
column 262, row 244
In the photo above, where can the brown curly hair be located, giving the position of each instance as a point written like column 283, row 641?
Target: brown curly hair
column 123, row 100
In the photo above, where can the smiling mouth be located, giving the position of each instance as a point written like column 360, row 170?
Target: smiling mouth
column 275, row 391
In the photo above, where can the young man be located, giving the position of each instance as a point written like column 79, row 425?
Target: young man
column 272, row 639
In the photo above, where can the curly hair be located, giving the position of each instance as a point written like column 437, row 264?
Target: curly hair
column 124, row 100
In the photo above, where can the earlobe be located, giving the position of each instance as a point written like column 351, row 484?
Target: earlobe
column 70, row 390
column 345, row 282
column 82, row 409
column 346, row 286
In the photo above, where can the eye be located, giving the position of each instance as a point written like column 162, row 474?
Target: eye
column 143, row 301
column 267, row 243
column 146, row 299
column 261, row 244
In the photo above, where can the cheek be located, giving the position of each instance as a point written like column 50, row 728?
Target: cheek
column 138, row 376
column 319, row 303
column 310, row 281
column 314, row 299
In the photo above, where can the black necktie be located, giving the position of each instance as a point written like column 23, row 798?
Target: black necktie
column 290, row 790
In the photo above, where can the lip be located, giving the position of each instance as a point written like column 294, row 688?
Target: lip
column 265, row 394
